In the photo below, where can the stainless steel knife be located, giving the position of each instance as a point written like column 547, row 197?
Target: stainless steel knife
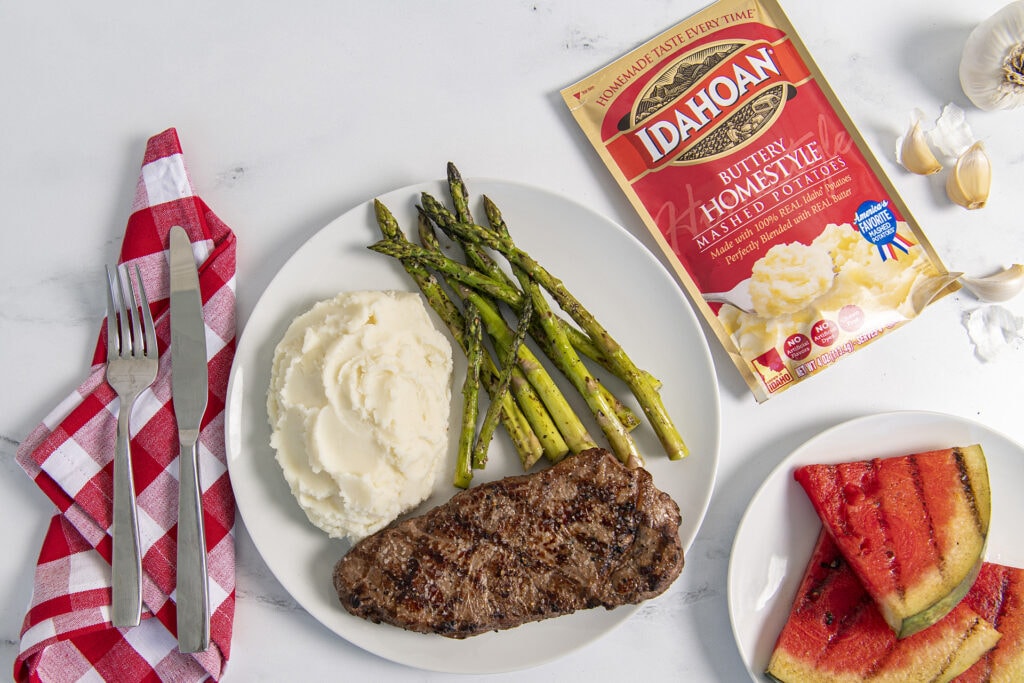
column 189, row 384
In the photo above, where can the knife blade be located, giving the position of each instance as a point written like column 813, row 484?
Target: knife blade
column 189, row 386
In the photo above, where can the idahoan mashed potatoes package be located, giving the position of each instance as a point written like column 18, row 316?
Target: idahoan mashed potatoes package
column 750, row 175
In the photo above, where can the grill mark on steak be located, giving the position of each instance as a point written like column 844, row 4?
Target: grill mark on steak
column 585, row 533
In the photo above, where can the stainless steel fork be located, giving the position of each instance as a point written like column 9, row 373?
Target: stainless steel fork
column 131, row 367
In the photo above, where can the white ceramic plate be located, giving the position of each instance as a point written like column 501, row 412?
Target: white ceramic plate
column 611, row 272
column 778, row 530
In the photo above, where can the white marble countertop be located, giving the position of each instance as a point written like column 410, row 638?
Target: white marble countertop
column 292, row 114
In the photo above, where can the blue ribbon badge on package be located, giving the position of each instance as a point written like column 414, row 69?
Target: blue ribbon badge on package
column 877, row 224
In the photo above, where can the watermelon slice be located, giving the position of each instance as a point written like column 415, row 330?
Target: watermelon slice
column 913, row 528
column 998, row 596
column 835, row 633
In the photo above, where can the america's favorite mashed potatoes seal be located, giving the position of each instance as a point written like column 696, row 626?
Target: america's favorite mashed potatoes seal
column 359, row 403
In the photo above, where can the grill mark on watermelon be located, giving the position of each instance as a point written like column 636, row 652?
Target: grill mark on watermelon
column 888, row 537
column 1009, row 657
column 947, row 495
column 1004, row 590
column 906, row 524
column 988, row 596
column 968, row 489
column 933, row 543
column 843, row 521
column 975, row 623
column 870, row 546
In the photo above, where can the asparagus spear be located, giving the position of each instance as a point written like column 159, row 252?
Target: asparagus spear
column 649, row 399
column 523, row 438
column 559, row 349
column 567, row 359
column 470, row 399
column 458, row 271
column 601, row 402
column 475, row 255
column 530, row 403
column 460, row 195
column 569, row 424
column 483, row 438
column 507, row 342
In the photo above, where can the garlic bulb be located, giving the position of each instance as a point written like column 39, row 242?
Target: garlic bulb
column 992, row 64
column 1000, row 286
column 969, row 181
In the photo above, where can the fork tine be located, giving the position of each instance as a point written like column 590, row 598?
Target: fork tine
column 133, row 316
column 127, row 341
column 125, row 316
column 124, row 321
column 113, row 338
column 148, row 328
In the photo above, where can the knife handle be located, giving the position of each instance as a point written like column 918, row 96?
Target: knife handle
column 193, row 600
column 126, row 564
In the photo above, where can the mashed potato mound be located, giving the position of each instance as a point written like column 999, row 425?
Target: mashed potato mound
column 789, row 277
column 359, row 402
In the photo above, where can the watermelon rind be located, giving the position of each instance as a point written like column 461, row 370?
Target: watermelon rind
column 925, row 618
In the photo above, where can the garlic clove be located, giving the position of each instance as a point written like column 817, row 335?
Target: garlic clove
column 971, row 178
column 1001, row 286
column 915, row 154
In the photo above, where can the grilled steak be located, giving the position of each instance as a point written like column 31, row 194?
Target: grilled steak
column 585, row 533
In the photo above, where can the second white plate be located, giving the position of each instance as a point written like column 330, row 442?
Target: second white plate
column 778, row 530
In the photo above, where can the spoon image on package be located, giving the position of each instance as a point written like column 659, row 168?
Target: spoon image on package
column 738, row 296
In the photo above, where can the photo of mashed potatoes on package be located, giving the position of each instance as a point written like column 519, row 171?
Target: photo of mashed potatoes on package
column 766, row 200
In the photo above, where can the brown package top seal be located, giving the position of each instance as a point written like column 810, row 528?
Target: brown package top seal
column 752, row 178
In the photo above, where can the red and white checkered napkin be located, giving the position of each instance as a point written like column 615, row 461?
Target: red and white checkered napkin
column 67, row 634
